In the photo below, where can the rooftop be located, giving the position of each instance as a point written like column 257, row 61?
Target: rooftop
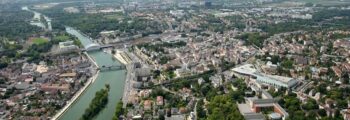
column 275, row 116
column 247, row 69
column 274, row 77
column 244, row 108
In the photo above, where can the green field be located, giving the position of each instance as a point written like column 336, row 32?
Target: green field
column 39, row 41
column 115, row 16
column 61, row 38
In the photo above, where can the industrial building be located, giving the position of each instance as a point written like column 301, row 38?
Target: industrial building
column 249, row 70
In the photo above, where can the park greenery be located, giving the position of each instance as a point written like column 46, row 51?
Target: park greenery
column 308, row 110
column 97, row 104
column 34, row 52
column 322, row 20
column 93, row 24
column 15, row 30
column 255, row 39
column 224, row 106
column 39, row 41
column 160, row 46
column 173, row 100
column 14, row 23
column 119, row 110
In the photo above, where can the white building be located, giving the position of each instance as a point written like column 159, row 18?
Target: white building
column 261, row 78
column 68, row 46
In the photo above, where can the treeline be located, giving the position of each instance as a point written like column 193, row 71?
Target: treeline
column 14, row 23
column 97, row 104
column 321, row 20
column 327, row 14
column 35, row 50
column 93, row 24
column 160, row 47
column 119, row 111
column 253, row 39
column 222, row 106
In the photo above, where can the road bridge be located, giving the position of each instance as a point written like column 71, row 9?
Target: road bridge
column 112, row 68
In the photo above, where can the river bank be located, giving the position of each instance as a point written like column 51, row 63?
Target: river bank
column 79, row 93
column 122, row 57
column 128, row 62
column 115, row 79
column 75, row 107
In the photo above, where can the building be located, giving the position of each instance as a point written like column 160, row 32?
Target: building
column 248, row 114
column 249, row 70
column 66, row 47
column 160, row 100
column 147, row 105
column 53, row 88
column 28, row 68
column 216, row 80
column 275, row 116
column 276, row 81
column 253, row 107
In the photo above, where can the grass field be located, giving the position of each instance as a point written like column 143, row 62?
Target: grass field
column 61, row 38
column 39, row 41
column 115, row 16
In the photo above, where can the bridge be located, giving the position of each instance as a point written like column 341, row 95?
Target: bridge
column 92, row 47
column 111, row 68
column 95, row 47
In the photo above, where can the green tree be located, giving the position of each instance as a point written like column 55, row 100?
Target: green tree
column 119, row 110
column 223, row 107
column 200, row 110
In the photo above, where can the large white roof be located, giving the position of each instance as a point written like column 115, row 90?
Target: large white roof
column 247, row 69
column 92, row 45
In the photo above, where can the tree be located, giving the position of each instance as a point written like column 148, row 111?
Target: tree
column 287, row 64
column 161, row 117
column 311, row 104
column 97, row 104
column 118, row 110
column 3, row 65
column 322, row 112
column 345, row 78
column 200, row 110
column 253, row 39
column 223, row 107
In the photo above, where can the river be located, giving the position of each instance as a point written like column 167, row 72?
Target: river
column 115, row 79
column 37, row 19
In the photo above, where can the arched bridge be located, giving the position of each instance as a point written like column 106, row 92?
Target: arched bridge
column 95, row 47
column 92, row 47
column 111, row 68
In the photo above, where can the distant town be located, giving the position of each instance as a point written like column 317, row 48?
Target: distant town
column 175, row 60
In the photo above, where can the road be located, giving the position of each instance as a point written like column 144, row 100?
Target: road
column 129, row 79
column 195, row 110
column 130, row 76
column 128, row 83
